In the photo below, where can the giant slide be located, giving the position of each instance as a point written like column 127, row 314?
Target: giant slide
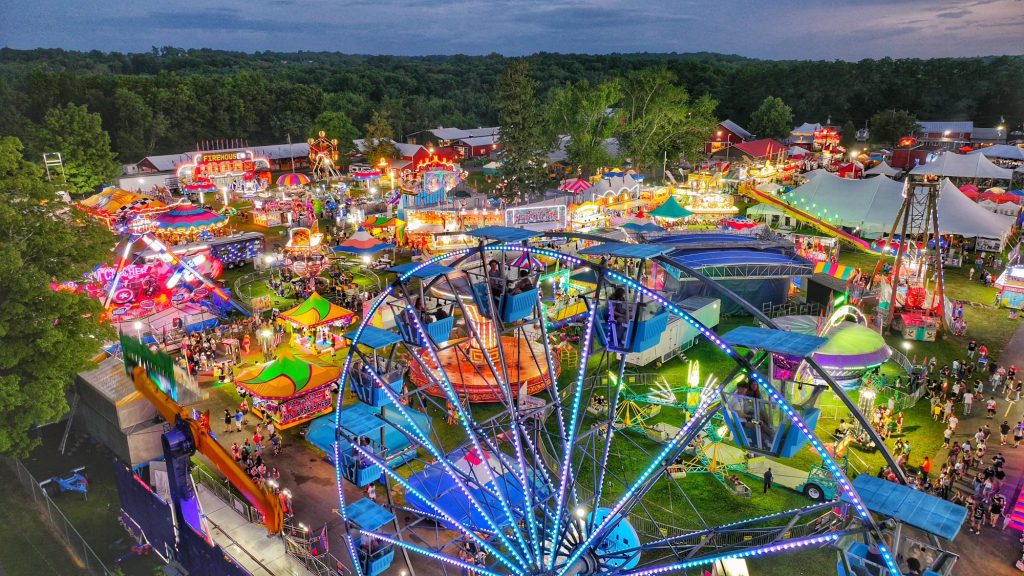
column 810, row 219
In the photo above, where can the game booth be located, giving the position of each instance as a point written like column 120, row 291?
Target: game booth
column 1011, row 287
column 289, row 391
column 311, row 324
column 815, row 248
column 237, row 170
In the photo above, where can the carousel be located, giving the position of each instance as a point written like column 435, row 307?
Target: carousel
column 312, row 321
column 305, row 254
column 188, row 223
column 289, row 391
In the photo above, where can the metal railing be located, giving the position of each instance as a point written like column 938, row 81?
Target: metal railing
column 61, row 526
column 221, row 488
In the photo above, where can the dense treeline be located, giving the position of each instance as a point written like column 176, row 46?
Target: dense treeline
column 168, row 99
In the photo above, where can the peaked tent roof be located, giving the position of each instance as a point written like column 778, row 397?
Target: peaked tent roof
column 670, row 209
column 362, row 242
column 763, row 148
column 963, row 166
column 1002, row 151
column 872, row 204
column 285, row 377
column 185, row 216
column 315, row 311
column 882, row 168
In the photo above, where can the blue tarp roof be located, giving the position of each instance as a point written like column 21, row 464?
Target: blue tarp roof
column 678, row 239
column 368, row 515
column 623, row 250
column 375, row 338
column 361, row 420
column 428, row 271
column 647, row 227
column 929, row 513
column 780, row 341
column 503, row 233
column 713, row 258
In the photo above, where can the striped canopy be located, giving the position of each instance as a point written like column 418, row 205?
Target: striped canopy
column 575, row 185
column 526, row 260
column 115, row 202
column 286, row 377
column 292, row 179
column 835, row 270
column 188, row 217
column 362, row 242
column 316, row 311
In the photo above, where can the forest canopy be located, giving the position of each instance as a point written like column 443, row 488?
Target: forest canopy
column 168, row 99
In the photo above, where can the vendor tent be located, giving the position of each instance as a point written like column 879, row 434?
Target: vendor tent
column 808, row 176
column 882, row 168
column 797, row 151
column 316, row 311
column 285, row 377
column 670, row 210
column 763, row 212
column 1002, row 151
column 950, row 164
column 872, row 204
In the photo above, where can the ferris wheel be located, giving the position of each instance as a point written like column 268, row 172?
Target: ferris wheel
column 472, row 416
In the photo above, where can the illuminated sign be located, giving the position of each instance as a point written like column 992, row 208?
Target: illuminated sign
column 223, row 156
column 536, row 215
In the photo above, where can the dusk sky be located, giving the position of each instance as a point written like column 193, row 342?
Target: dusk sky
column 809, row 29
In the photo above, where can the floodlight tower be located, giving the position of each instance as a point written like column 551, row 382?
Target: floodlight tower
column 917, row 218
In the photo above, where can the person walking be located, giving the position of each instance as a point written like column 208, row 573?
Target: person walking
column 1004, row 431
column 238, row 420
column 968, row 402
column 768, row 476
column 1018, row 433
column 227, row 420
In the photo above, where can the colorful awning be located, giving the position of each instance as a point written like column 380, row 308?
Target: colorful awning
column 670, row 210
column 286, row 377
column 292, row 179
column 362, row 242
column 835, row 270
column 114, row 203
column 188, row 217
column 575, row 185
column 317, row 311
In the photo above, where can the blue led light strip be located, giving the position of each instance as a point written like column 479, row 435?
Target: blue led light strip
column 473, row 568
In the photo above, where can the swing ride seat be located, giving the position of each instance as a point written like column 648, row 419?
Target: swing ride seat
column 439, row 331
column 511, row 307
column 760, row 425
column 375, row 556
column 639, row 335
column 369, row 391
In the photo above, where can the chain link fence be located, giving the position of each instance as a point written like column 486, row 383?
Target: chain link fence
column 59, row 523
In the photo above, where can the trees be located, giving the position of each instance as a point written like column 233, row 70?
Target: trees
column 137, row 129
column 888, row 126
column 336, row 125
column 379, row 138
column 772, row 119
column 47, row 336
column 522, row 135
column 85, row 147
column 660, row 118
column 848, row 138
column 585, row 114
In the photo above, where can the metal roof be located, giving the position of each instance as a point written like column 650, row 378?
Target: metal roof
column 941, row 126
column 929, row 513
column 375, row 338
column 503, row 233
column 779, row 341
column 624, row 250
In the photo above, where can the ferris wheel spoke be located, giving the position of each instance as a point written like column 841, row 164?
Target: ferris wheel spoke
column 612, row 409
column 430, row 553
column 571, row 431
column 423, row 441
column 467, row 423
column 410, row 489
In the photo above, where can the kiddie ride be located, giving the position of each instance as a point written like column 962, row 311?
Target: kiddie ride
column 73, row 481
column 153, row 376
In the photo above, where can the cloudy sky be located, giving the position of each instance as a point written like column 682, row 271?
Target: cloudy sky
column 804, row 29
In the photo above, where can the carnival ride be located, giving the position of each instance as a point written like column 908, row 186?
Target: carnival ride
column 528, row 482
column 153, row 376
column 150, row 277
column 323, row 157
column 810, row 219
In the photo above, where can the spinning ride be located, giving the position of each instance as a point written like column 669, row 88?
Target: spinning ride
column 323, row 157
column 529, row 483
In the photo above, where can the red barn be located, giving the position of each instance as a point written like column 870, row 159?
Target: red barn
column 728, row 133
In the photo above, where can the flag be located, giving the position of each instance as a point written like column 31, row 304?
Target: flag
column 1014, row 254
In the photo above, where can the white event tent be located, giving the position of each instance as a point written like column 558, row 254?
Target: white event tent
column 950, row 164
column 882, row 168
column 871, row 205
column 1001, row 151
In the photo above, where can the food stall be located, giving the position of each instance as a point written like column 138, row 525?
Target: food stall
column 1011, row 287
column 311, row 324
column 815, row 248
column 588, row 216
column 288, row 390
column 712, row 206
